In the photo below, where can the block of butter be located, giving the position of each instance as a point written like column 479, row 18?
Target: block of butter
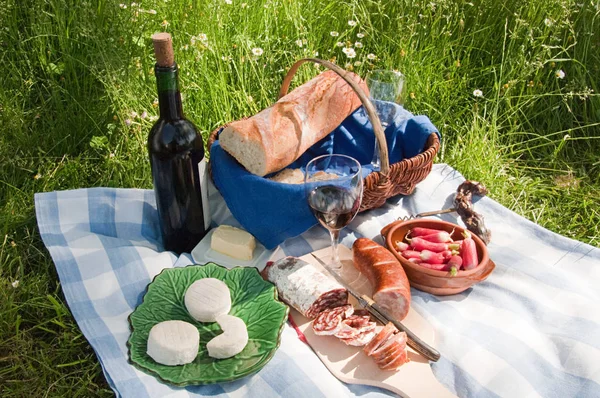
column 233, row 242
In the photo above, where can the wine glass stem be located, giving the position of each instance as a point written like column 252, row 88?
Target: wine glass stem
column 335, row 256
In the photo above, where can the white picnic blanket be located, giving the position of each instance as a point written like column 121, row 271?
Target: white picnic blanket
column 532, row 329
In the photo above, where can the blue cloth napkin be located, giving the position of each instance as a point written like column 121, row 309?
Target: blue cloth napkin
column 274, row 212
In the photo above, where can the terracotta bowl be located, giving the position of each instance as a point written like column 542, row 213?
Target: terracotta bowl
column 440, row 283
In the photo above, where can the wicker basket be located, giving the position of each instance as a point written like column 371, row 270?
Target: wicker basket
column 398, row 178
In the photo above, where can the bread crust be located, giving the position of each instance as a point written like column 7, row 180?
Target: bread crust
column 285, row 130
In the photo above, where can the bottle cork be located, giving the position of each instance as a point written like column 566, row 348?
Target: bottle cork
column 163, row 49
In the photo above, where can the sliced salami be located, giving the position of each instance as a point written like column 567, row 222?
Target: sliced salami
column 304, row 287
column 353, row 326
column 362, row 312
column 392, row 344
column 380, row 338
column 395, row 362
column 329, row 322
column 357, row 321
column 396, row 358
column 391, row 350
column 388, row 348
column 362, row 338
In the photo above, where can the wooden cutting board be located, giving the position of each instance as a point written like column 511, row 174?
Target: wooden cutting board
column 351, row 365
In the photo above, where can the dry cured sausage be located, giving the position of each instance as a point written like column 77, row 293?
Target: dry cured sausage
column 330, row 322
column 304, row 287
column 390, row 284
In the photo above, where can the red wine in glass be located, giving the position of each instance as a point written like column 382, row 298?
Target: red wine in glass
column 334, row 187
column 334, row 207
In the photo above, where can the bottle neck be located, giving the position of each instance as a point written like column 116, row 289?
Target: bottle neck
column 169, row 97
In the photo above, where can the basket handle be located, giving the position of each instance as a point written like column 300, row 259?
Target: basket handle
column 377, row 128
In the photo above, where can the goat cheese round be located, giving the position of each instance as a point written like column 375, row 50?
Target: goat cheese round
column 207, row 298
column 173, row 342
column 233, row 339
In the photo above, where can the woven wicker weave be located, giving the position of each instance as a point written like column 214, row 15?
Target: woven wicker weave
column 398, row 178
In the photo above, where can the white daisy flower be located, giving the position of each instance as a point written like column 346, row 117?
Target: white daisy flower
column 360, row 35
column 123, row 6
column 15, row 284
column 339, row 44
column 334, row 33
column 548, row 22
column 228, row 2
column 350, row 53
column 352, row 23
column 358, row 44
column 243, row 5
column 358, row 63
column 560, row 74
column 164, row 23
column 153, row 12
column 257, row 51
column 299, row 43
column 202, row 37
column 478, row 93
column 371, row 56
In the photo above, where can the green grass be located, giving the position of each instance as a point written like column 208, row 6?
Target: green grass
column 74, row 71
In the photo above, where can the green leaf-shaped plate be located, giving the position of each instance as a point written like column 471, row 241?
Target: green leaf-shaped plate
column 252, row 299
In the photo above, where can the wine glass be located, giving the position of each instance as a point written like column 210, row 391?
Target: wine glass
column 334, row 188
column 385, row 86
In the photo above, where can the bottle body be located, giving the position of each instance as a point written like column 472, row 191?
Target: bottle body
column 178, row 165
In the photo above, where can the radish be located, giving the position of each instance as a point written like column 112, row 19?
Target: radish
column 437, row 267
column 411, row 254
column 455, row 261
column 439, row 237
column 422, row 244
column 418, row 231
column 415, row 260
column 401, row 246
column 447, row 255
column 468, row 252
column 431, row 257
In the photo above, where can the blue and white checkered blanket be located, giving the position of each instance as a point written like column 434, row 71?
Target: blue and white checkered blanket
column 531, row 329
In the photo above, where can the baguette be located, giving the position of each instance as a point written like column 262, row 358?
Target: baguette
column 296, row 176
column 277, row 136
column 289, row 176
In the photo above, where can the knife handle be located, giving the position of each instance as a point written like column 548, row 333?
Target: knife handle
column 413, row 340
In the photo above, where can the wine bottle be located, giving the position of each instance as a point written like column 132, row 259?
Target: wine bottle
column 177, row 160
